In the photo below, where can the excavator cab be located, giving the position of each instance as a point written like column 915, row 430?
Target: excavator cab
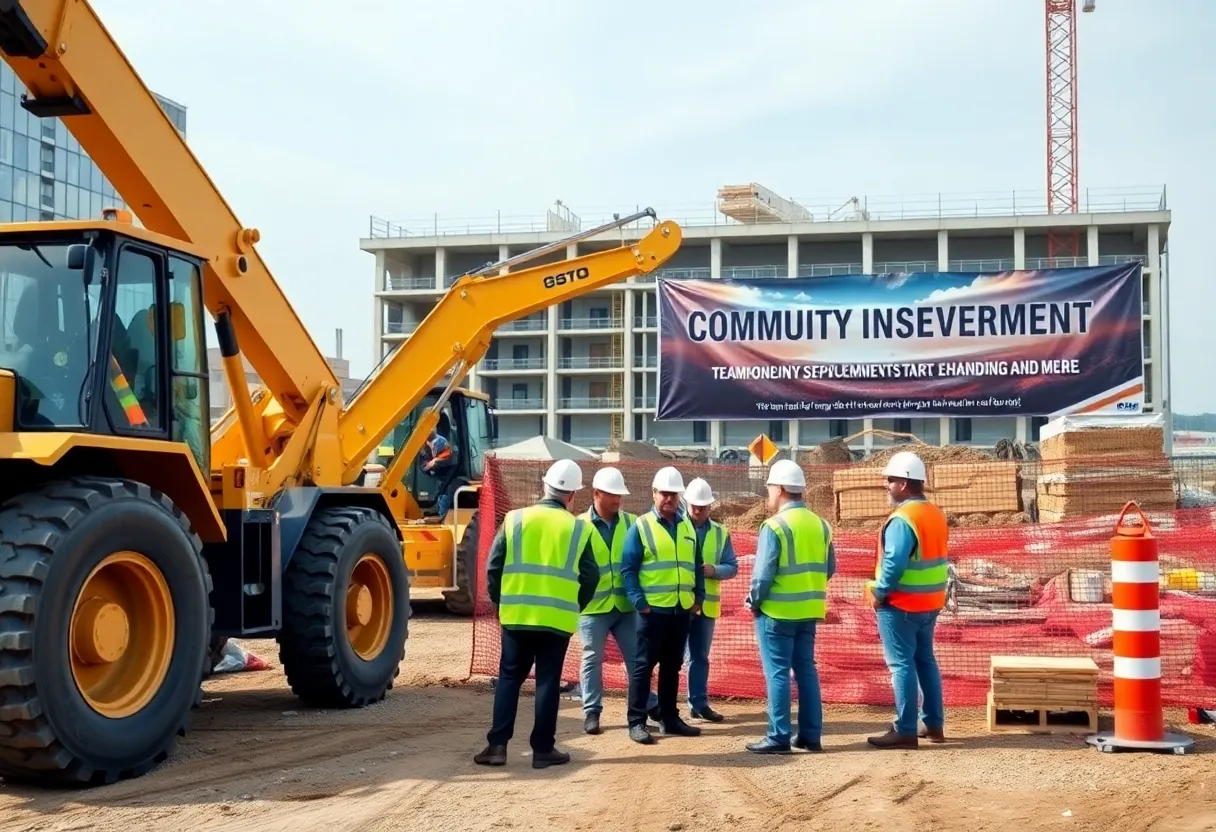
column 84, row 311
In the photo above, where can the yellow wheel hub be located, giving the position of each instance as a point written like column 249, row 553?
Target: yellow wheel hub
column 369, row 607
column 122, row 635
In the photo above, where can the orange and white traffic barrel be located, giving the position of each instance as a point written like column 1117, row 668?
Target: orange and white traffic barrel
column 1135, row 581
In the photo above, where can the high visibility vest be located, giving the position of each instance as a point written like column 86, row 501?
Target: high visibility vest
column 922, row 587
column 800, row 587
column 668, row 574
column 610, row 591
column 540, row 573
column 711, row 552
column 126, row 398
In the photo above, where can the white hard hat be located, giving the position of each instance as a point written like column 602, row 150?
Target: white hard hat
column 668, row 478
column 905, row 465
column 698, row 493
column 787, row 474
column 609, row 480
column 564, row 475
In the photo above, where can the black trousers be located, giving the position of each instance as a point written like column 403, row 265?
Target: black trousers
column 520, row 650
column 661, row 640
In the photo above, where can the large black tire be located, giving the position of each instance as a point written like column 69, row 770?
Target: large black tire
column 322, row 667
column 51, row 538
column 463, row 599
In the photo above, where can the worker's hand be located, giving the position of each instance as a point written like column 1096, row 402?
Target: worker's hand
column 645, row 610
column 696, row 608
column 708, row 570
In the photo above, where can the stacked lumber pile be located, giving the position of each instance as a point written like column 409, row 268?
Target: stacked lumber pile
column 958, row 488
column 1043, row 694
column 754, row 203
column 1094, row 466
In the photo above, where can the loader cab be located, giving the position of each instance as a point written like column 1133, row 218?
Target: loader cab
column 101, row 332
column 467, row 423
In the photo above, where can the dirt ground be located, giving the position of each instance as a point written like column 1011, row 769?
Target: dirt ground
column 255, row 761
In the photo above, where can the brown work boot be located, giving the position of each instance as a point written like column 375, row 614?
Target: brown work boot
column 933, row 735
column 893, row 740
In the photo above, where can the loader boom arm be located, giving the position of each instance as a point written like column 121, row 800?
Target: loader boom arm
column 458, row 332
column 73, row 68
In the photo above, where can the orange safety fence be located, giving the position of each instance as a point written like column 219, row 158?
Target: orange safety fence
column 1030, row 564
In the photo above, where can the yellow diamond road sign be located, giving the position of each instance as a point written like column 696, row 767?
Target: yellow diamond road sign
column 763, row 449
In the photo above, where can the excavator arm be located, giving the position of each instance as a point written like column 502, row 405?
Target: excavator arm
column 458, row 330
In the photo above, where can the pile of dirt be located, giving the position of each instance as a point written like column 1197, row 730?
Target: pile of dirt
column 833, row 452
column 931, row 454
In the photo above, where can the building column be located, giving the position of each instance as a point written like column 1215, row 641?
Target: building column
column 945, row 425
column 715, row 258
column 551, row 378
column 1162, row 277
column 503, row 253
column 1019, row 248
column 791, row 247
column 867, row 267
column 792, row 432
column 1091, row 245
column 627, row 387
column 377, row 330
column 1156, row 395
column 441, row 267
column 715, row 436
column 382, row 281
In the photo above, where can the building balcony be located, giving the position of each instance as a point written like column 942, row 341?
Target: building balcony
column 645, row 362
column 519, row 404
column 598, row 324
column 828, row 269
column 522, row 325
column 400, row 327
column 591, row 362
column 408, row 284
column 588, row 403
column 1000, row 264
column 645, row 321
column 645, row 402
column 695, row 273
column 503, row 365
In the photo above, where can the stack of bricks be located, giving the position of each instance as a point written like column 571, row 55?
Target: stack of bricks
column 1091, row 471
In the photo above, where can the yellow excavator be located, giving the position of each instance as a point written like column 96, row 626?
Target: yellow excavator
column 130, row 538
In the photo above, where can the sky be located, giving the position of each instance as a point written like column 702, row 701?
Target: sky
column 311, row 120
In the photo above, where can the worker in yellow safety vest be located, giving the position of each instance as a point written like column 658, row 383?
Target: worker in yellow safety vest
column 661, row 568
column 911, row 571
column 610, row 611
column 541, row 574
column 794, row 561
column 718, row 564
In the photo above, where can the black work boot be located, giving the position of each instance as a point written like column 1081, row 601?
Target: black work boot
column 708, row 714
column 549, row 758
column 803, row 743
column 591, row 724
column 491, row 755
column 656, row 716
column 640, row 734
column 680, row 728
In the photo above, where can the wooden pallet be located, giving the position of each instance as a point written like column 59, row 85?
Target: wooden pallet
column 1040, row 718
column 1043, row 694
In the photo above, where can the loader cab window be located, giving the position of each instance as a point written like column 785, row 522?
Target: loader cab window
column 133, row 392
column 48, row 329
column 191, row 390
column 477, row 424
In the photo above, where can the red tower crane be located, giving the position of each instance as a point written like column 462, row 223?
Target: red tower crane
column 1062, row 169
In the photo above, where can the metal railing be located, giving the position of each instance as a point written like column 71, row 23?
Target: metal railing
column 590, row 362
column 399, row 327
column 645, row 321
column 587, row 403
column 392, row 283
column 519, row 404
column 524, row 325
column 645, row 401
column 874, row 208
column 492, row 364
column 591, row 323
column 642, row 362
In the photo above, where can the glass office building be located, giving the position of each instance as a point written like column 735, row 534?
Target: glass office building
column 44, row 174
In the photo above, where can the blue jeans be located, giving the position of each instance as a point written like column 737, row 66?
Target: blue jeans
column 696, row 659
column 593, row 631
column 786, row 646
column 907, row 646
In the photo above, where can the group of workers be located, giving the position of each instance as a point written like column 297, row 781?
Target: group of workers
column 653, row 582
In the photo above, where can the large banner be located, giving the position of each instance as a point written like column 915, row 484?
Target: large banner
column 1026, row 343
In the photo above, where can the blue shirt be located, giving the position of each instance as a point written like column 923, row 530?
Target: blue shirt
column 606, row 528
column 437, row 445
column 631, row 563
column 898, row 544
column 764, row 571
